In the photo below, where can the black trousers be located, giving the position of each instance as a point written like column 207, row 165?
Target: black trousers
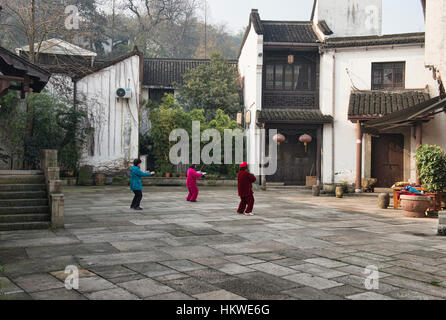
column 137, row 199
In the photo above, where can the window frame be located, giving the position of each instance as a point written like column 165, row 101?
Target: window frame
column 394, row 65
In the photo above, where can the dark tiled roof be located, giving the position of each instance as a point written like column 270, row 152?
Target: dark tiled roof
column 289, row 32
column 280, row 31
column 165, row 73
column 389, row 39
column 80, row 68
column 375, row 104
column 322, row 24
column 14, row 65
column 303, row 116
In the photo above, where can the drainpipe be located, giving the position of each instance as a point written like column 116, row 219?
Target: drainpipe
column 333, row 115
column 358, row 157
column 419, row 141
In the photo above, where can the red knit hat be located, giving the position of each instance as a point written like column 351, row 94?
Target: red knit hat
column 243, row 165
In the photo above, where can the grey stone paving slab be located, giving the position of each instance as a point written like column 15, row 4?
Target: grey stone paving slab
column 191, row 286
column 15, row 296
column 232, row 268
column 313, row 281
column 414, row 285
column 171, row 296
column 112, row 272
column 94, row 283
column 308, row 293
column 194, row 240
column 57, row 294
column 218, row 295
column 145, row 288
column 288, row 262
column 12, row 255
column 137, row 245
column 249, row 290
column 38, row 282
column 360, row 271
column 324, row 262
column 189, row 252
column 269, row 281
column 344, row 291
column 30, row 266
column 123, row 258
column 183, row 265
column 210, row 275
column 111, row 294
column 415, row 275
column 70, row 249
column 359, row 282
column 128, row 278
column 318, row 270
column 210, row 261
column 274, row 269
column 151, row 269
column 369, row 296
column 7, row 287
column 405, row 294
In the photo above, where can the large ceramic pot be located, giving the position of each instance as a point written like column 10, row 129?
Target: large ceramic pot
column 99, row 179
column 339, row 192
column 415, row 206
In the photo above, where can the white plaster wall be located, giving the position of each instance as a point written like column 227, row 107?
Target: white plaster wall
column 251, row 68
column 115, row 122
column 358, row 61
column 351, row 17
column 434, row 132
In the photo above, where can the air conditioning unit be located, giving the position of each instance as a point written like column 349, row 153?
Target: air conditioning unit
column 122, row 93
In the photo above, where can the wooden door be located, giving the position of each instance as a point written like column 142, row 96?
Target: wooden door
column 293, row 163
column 388, row 159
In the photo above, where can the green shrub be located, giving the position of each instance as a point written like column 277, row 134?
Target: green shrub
column 431, row 166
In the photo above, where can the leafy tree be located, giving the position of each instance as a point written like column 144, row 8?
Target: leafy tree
column 211, row 87
column 431, row 166
column 55, row 125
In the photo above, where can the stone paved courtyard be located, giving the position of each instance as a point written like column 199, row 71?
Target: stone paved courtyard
column 297, row 247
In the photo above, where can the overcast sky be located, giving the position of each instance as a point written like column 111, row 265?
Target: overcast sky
column 399, row 16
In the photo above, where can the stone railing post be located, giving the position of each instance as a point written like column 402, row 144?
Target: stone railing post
column 48, row 163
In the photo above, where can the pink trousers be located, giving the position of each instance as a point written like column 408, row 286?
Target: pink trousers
column 193, row 194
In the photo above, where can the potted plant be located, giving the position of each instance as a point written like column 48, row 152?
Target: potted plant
column 431, row 167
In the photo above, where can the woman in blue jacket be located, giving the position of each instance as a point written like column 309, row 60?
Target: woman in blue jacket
column 136, row 183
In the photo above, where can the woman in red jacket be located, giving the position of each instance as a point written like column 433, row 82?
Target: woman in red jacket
column 245, row 181
column 191, row 183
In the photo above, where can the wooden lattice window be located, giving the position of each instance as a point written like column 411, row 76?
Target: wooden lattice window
column 388, row 75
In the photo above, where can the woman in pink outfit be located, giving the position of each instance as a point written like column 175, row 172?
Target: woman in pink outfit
column 191, row 184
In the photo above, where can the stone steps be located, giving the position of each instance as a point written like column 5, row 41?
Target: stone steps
column 22, row 195
column 20, row 172
column 23, row 210
column 24, row 226
column 17, row 218
column 22, row 187
column 23, row 201
column 22, row 179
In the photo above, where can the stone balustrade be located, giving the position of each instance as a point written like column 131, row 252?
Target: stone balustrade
column 49, row 166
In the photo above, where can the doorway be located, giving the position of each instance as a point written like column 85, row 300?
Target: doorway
column 388, row 159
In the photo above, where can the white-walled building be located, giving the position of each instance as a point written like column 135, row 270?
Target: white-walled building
column 366, row 99
column 77, row 77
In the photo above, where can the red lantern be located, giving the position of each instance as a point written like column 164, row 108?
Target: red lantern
column 305, row 139
column 279, row 138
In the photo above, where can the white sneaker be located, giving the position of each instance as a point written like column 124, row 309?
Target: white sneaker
column 249, row 214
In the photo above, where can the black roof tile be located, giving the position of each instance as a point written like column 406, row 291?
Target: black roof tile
column 375, row 104
column 277, row 115
column 289, row 32
column 166, row 73
column 388, row 39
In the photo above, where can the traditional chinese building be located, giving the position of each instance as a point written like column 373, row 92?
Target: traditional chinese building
column 364, row 98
